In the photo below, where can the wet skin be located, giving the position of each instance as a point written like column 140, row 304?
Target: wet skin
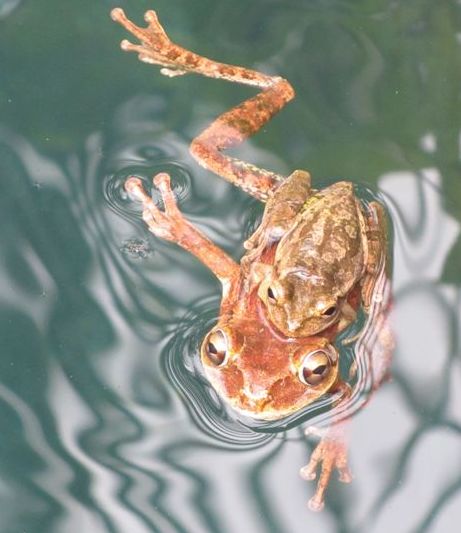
column 271, row 352
column 328, row 244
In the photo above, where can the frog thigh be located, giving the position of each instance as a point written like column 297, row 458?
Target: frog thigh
column 376, row 234
column 281, row 209
column 286, row 202
column 295, row 190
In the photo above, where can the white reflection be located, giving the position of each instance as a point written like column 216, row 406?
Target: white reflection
column 54, row 480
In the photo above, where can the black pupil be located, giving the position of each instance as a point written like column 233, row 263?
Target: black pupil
column 320, row 370
column 216, row 356
column 270, row 293
column 330, row 311
column 212, row 348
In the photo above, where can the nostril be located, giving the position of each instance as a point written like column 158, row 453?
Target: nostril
column 293, row 325
column 293, row 320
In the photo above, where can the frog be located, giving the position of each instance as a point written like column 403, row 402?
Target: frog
column 328, row 243
column 258, row 367
column 259, row 372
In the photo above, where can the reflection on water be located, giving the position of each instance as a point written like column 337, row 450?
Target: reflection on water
column 107, row 421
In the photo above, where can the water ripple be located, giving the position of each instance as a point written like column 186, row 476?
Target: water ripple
column 118, row 200
column 182, row 365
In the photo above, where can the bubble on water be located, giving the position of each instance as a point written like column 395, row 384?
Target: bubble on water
column 136, row 248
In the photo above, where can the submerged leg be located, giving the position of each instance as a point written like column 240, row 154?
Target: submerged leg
column 330, row 453
column 172, row 226
column 230, row 128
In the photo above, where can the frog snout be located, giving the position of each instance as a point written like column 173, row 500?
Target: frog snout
column 255, row 394
column 294, row 320
column 294, row 324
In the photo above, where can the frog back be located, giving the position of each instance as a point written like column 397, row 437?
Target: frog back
column 326, row 241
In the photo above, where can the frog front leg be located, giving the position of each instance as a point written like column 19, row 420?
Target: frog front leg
column 330, row 453
column 171, row 225
column 230, row 128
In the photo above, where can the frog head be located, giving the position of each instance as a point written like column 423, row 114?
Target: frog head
column 262, row 373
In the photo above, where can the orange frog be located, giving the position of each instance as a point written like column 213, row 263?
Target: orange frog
column 314, row 258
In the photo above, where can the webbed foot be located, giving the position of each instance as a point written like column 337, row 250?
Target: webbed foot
column 171, row 225
column 168, row 224
column 156, row 47
column 330, row 453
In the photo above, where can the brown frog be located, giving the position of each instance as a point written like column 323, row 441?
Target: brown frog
column 257, row 368
column 328, row 243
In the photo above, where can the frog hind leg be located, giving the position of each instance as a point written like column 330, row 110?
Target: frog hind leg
column 376, row 339
column 230, row 128
column 377, row 251
column 377, row 342
column 280, row 210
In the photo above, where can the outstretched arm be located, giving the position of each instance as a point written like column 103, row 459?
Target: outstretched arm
column 230, row 128
column 172, row 226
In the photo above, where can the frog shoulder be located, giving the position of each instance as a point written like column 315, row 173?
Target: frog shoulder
column 341, row 188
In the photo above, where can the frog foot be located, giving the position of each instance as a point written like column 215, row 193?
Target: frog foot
column 156, row 47
column 331, row 452
column 168, row 224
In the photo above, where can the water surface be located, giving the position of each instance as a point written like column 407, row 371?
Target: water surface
column 107, row 423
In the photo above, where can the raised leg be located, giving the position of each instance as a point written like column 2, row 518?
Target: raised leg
column 230, row 128
column 172, row 226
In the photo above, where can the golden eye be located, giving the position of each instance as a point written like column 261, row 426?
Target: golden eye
column 316, row 366
column 216, row 347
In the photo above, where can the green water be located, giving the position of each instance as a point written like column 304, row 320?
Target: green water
column 106, row 423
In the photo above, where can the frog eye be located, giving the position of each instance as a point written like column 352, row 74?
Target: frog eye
column 330, row 311
column 216, row 347
column 271, row 295
column 275, row 293
column 316, row 366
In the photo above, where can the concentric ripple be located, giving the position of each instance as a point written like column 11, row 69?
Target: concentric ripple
column 118, row 199
column 182, row 365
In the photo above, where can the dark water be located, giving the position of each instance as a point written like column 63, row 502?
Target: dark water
column 106, row 422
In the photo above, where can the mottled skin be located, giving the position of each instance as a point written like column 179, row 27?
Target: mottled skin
column 260, row 375
column 324, row 251
column 255, row 367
